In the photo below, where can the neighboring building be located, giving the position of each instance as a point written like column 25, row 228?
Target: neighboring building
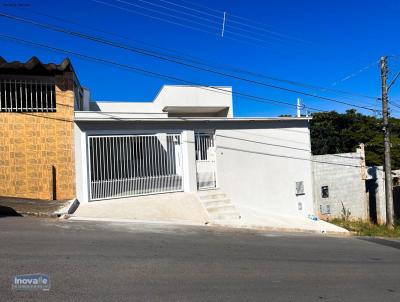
column 342, row 182
column 339, row 183
column 37, row 129
column 185, row 140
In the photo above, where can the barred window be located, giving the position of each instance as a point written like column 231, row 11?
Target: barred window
column 27, row 95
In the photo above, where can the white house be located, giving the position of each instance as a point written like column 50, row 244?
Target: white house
column 188, row 140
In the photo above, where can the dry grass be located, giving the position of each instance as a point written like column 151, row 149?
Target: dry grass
column 363, row 228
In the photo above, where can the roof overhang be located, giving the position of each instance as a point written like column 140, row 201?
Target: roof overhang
column 194, row 109
column 87, row 116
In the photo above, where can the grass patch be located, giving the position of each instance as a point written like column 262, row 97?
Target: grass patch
column 363, row 228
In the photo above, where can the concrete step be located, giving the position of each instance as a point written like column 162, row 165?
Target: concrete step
column 218, row 205
column 216, row 202
column 212, row 196
column 225, row 216
column 226, row 208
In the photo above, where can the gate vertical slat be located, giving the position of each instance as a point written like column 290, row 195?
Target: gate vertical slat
column 105, row 171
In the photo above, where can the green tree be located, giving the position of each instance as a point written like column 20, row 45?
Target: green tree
column 333, row 132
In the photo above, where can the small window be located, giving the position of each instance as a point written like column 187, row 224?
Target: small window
column 325, row 191
column 300, row 188
column 27, row 95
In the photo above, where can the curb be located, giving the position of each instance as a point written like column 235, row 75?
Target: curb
column 187, row 223
column 287, row 230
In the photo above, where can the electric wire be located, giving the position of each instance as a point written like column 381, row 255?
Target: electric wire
column 158, row 56
column 156, row 74
column 215, row 89
column 199, row 61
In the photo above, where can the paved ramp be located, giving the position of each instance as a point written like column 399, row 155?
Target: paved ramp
column 170, row 207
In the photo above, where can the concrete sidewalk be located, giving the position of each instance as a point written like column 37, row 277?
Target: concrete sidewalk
column 254, row 218
column 185, row 208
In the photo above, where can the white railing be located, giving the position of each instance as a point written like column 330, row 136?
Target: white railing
column 27, row 95
column 131, row 165
column 205, row 160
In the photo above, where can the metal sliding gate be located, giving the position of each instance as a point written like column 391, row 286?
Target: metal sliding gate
column 205, row 160
column 130, row 165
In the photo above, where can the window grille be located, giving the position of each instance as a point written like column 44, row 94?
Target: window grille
column 27, row 95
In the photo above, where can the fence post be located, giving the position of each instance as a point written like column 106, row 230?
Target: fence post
column 189, row 161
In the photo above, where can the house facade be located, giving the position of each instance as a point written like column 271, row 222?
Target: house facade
column 185, row 140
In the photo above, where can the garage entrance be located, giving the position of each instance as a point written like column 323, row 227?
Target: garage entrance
column 131, row 165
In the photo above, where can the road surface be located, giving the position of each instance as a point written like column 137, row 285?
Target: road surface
column 104, row 261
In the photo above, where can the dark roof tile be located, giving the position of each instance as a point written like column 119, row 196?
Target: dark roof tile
column 34, row 67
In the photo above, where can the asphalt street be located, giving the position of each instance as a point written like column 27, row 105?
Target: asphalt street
column 104, row 261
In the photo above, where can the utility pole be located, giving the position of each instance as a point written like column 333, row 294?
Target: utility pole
column 386, row 133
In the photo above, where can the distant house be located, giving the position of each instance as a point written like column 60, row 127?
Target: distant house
column 58, row 144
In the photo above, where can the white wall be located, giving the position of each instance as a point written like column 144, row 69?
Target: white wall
column 258, row 162
column 81, row 171
column 133, row 107
column 259, row 168
column 196, row 98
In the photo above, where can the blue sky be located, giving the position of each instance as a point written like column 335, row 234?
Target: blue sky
column 334, row 44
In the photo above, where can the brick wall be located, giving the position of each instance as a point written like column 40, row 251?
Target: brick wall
column 37, row 151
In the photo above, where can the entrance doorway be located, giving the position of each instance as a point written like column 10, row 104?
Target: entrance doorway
column 205, row 160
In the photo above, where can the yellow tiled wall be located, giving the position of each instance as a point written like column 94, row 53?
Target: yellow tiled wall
column 37, row 149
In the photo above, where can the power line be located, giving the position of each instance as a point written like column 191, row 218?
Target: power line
column 202, row 62
column 154, row 17
column 353, row 74
column 174, row 10
column 166, row 14
column 245, row 36
column 158, row 56
column 394, row 80
column 178, row 24
column 154, row 74
column 215, row 89
column 236, row 22
column 203, row 18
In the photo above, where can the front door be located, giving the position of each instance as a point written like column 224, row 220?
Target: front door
column 205, row 160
